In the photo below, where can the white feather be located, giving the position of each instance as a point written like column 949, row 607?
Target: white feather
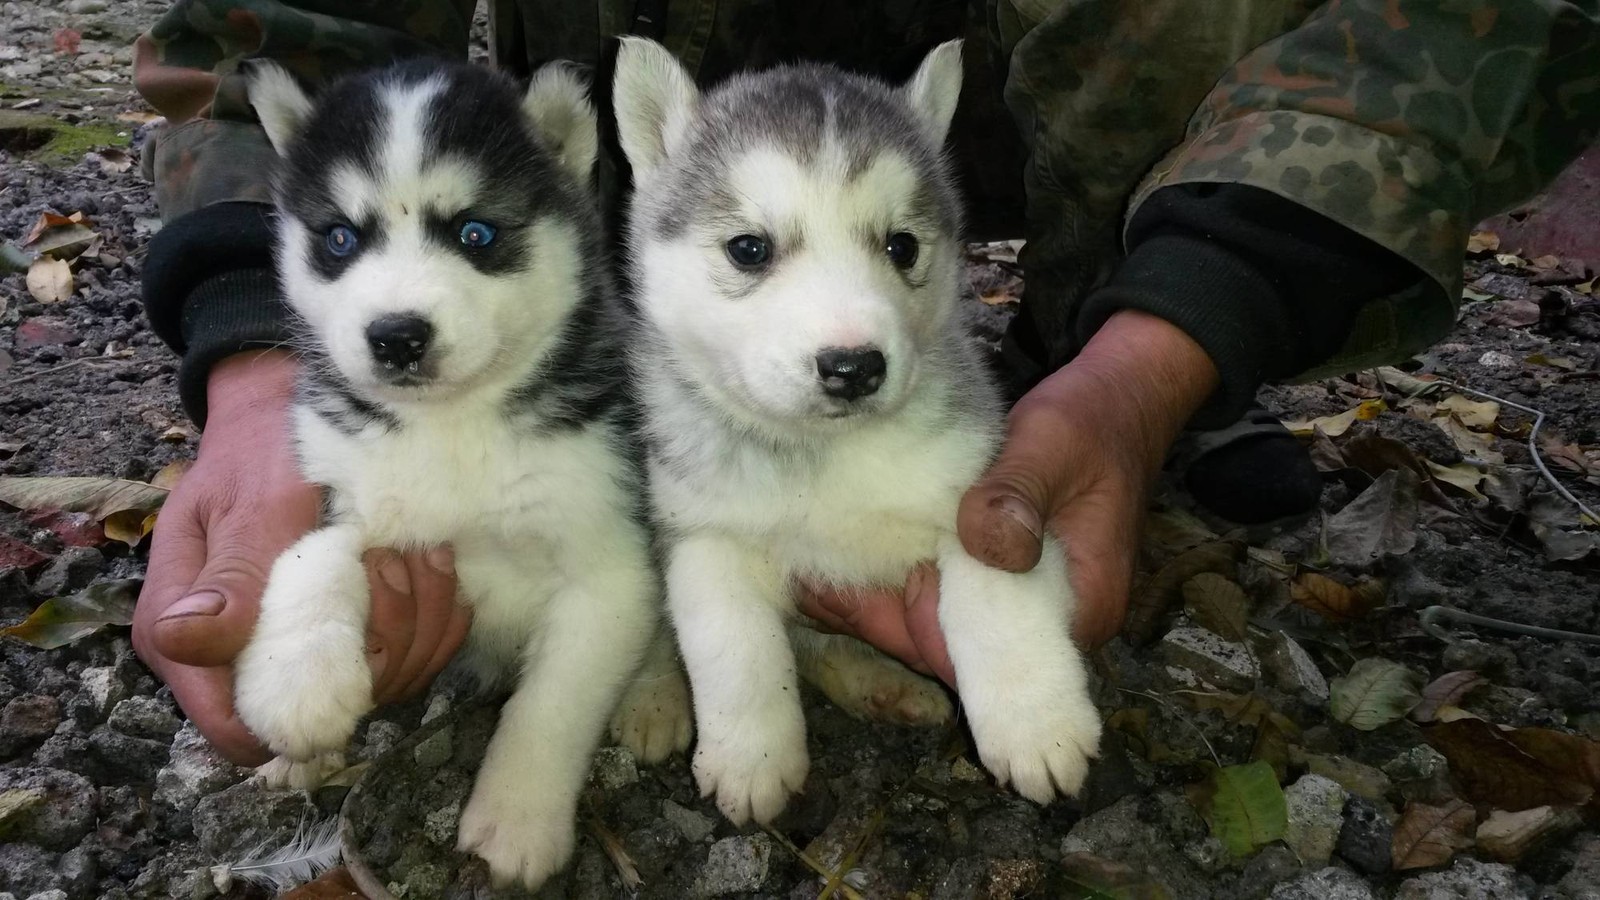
column 313, row 850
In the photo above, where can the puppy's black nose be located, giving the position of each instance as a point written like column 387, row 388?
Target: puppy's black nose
column 399, row 341
column 851, row 373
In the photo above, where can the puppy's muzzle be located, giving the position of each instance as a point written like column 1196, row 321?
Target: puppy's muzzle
column 399, row 346
column 850, row 373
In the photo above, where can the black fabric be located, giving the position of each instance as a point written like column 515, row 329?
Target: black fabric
column 1266, row 286
column 1257, row 480
column 209, row 291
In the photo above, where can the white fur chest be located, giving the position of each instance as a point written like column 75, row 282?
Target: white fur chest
column 462, row 474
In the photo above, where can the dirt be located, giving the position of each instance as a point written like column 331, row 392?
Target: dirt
column 143, row 809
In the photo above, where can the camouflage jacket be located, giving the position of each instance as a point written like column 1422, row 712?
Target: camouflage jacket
column 1403, row 121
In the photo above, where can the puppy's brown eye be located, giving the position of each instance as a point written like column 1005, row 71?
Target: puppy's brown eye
column 902, row 249
column 747, row 251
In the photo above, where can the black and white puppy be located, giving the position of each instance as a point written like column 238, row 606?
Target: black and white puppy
column 441, row 249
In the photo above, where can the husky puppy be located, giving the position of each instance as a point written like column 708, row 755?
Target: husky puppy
column 440, row 247
column 814, row 409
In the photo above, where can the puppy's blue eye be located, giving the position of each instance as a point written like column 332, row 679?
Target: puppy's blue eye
column 341, row 240
column 748, row 251
column 477, row 234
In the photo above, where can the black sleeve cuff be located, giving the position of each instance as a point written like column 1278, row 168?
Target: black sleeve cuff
column 1227, row 305
column 209, row 291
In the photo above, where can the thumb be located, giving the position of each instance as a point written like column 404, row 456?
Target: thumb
column 1001, row 520
column 208, row 621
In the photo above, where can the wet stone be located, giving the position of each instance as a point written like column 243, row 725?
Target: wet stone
column 1367, row 837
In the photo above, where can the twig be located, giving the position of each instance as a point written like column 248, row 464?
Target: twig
column 1181, row 716
column 1430, row 623
column 66, row 365
column 1533, row 446
column 849, row 892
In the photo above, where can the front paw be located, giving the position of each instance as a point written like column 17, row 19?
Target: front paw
column 654, row 719
column 304, row 694
column 1038, row 741
column 307, row 775
column 753, row 766
column 524, row 839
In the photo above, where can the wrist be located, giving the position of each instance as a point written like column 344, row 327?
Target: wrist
column 250, row 382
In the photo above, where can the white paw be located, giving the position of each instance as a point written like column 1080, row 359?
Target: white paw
column 524, row 839
column 868, row 685
column 1038, row 741
column 303, row 695
column 307, row 775
column 752, row 766
column 654, row 719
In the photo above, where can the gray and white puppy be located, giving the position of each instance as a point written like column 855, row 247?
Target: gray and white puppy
column 463, row 384
column 814, row 410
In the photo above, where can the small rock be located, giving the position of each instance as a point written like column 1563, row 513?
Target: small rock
column 382, row 736
column 1467, row 879
column 694, row 826
column 440, row 825
column 434, row 750
column 71, row 570
column 248, row 814
column 102, row 689
column 1508, row 836
column 1422, row 773
column 736, row 864
column 194, row 770
column 1356, row 777
column 961, row 881
column 1274, row 865
column 1494, row 359
column 1366, row 838
column 1479, row 656
column 963, row 770
column 1144, row 832
column 438, row 705
column 1292, row 668
column 55, row 894
column 27, row 719
column 1582, row 882
column 614, row 768
column 26, row 869
column 132, row 758
column 44, row 331
column 78, row 869
column 59, row 807
column 87, row 7
column 1316, row 813
column 1325, row 884
column 1227, row 664
column 145, row 717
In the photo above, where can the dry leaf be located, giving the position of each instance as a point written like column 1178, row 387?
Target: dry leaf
column 1546, row 263
column 1429, row 835
column 1520, row 768
column 12, row 259
column 1158, row 594
column 130, row 526
column 1330, row 599
column 138, row 116
column 1375, row 693
column 64, row 241
column 1375, row 454
column 45, row 222
column 1554, row 362
column 1381, row 521
column 1481, row 242
column 50, row 280
column 1588, row 287
column 112, row 160
column 61, row 621
column 98, row 496
column 1511, row 260
column 171, row 474
column 1333, row 426
column 1476, row 414
column 1446, row 690
column 1464, row 477
column 1472, row 444
column 1408, row 384
column 1217, row 604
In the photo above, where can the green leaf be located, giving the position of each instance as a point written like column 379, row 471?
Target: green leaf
column 1245, row 807
column 13, row 259
column 99, row 496
column 61, row 621
column 1375, row 693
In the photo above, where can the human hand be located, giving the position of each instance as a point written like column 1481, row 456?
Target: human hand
column 1081, row 451
column 240, row 505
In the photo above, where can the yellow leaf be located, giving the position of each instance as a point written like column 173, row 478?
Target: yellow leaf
column 1333, row 426
column 1478, row 415
column 171, row 473
column 50, row 280
column 1511, row 260
column 1483, row 242
column 130, row 526
column 1472, row 444
column 1463, row 476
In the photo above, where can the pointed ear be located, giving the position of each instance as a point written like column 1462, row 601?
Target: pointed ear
column 655, row 98
column 936, row 87
column 279, row 101
column 558, row 104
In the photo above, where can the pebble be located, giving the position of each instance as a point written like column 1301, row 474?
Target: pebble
column 382, row 736
column 695, row 827
column 54, row 894
column 26, row 869
column 71, row 570
column 1467, row 879
column 1316, row 814
column 614, row 768
column 1292, row 668
column 1494, row 359
column 1274, row 865
column 133, row 758
column 145, row 717
column 49, row 807
column 1331, row 883
column 193, row 771
column 1143, row 831
column 1582, row 882
column 1508, row 836
column 102, row 689
column 1227, row 664
column 86, row 7
column 735, row 865
column 44, row 331
column 434, row 750
column 1367, row 837
column 27, row 719
column 248, row 814
column 440, row 825
column 1423, row 774
column 1356, row 777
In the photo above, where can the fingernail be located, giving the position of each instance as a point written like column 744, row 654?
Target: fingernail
column 1020, row 510
column 441, row 560
column 205, row 603
column 392, row 569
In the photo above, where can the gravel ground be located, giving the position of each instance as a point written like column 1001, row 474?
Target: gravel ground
column 105, row 791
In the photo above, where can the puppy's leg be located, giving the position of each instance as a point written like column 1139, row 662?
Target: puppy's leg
column 728, row 606
column 865, row 683
column 1021, row 680
column 654, row 720
column 302, row 682
column 589, row 639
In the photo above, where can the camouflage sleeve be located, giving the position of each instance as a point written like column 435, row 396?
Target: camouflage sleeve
column 208, row 284
column 1405, row 121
